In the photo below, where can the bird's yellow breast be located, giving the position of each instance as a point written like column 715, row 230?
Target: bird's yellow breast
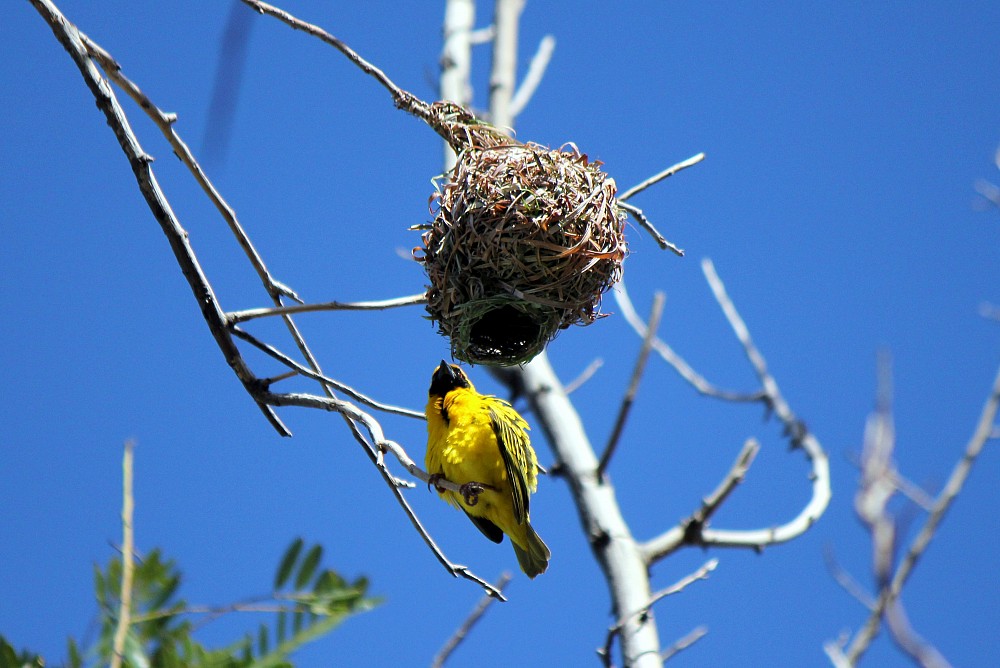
column 464, row 446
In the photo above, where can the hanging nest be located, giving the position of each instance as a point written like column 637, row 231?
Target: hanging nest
column 525, row 241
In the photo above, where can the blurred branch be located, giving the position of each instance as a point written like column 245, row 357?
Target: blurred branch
column 503, row 74
column 673, row 359
column 470, row 621
column 919, row 650
column 128, row 559
column 536, row 71
column 691, row 638
column 584, row 376
column 846, row 581
column 953, row 487
column 633, row 387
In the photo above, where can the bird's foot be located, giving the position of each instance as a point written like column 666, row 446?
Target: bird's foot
column 433, row 480
column 470, row 491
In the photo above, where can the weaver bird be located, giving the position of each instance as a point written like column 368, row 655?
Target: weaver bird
column 481, row 443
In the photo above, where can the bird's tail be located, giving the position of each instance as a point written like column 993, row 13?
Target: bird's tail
column 534, row 556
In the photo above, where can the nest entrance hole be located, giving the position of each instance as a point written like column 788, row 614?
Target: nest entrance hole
column 503, row 334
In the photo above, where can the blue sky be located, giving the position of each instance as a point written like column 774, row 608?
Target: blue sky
column 836, row 201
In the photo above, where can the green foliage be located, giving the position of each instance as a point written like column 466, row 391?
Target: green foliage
column 11, row 658
column 160, row 634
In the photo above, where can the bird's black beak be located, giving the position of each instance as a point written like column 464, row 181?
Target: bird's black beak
column 446, row 378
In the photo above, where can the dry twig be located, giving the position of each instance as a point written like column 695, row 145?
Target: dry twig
column 470, row 621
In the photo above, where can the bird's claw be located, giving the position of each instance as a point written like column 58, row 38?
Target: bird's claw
column 470, row 491
column 433, row 480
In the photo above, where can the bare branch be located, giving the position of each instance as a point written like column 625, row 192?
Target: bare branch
column 907, row 639
column 325, row 380
column 846, row 581
column 692, row 530
column 795, row 429
column 401, row 98
column 633, row 387
column 953, row 487
column 584, row 376
column 128, row 559
column 73, row 41
column 82, row 50
column 470, row 621
column 536, row 70
column 691, row 638
column 640, row 218
column 236, row 317
column 603, row 524
column 669, row 171
column 482, row 35
column 989, row 311
column 672, row 358
column 379, row 444
column 644, row 612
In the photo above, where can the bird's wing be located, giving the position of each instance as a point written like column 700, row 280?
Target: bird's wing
column 513, row 443
column 490, row 530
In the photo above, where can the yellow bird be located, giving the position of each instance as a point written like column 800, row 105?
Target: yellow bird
column 481, row 443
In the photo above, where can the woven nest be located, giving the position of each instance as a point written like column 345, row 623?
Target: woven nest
column 525, row 241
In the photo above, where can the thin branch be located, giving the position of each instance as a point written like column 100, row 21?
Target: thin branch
column 584, row 376
column 536, row 71
column 846, row 580
column 380, row 444
column 73, row 41
column 989, row 311
column 645, row 223
column 984, row 429
column 691, row 638
column 128, row 559
column 401, row 98
column 633, row 387
column 463, row 630
column 907, row 639
column 236, row 317
column 644, row 612
column 692, row 530
column 669, row 171
column 482, row 35
column 693, row 378
column 795, row 430
column 325, row 380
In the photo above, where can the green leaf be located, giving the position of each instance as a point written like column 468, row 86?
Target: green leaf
column 309, row 565
column 287, row 563
column 328, row 582
column 262, row 639
column 75, row 658
column 281, row 626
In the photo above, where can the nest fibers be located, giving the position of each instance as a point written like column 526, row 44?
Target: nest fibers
column 524, row 242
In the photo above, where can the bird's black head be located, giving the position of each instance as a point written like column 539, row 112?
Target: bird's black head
column 446, row 378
